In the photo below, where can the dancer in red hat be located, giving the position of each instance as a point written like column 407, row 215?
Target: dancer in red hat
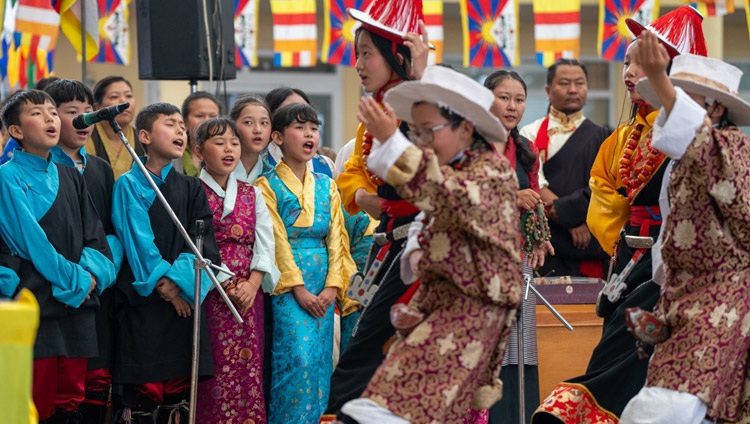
column 701, row 325
column 625, row 218
column 390, row 50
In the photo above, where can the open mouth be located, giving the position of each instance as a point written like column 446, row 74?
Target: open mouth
column 629, row 85
column 308, row 146
column 227, row 160
column 179, row 142
column 51, row 131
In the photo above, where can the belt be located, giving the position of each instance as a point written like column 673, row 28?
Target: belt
column 398, row 233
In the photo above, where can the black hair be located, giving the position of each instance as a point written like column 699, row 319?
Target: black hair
column 276, row 97
column 213, row 127
column 552, row 70
column 245, row 100
column 525, row 156
column 11, row 113
column 198, row 95
column 292, row 113
column 67, row 90
column 149, row 114
column 44, row 82
column 100, row 88
column 386, row 47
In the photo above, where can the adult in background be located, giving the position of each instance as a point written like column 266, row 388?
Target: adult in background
column 568, row 143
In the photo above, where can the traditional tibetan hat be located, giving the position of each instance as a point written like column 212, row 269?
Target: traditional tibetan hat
column 708, row 77
column 679, row 30
column 391, row 19
column 454, row 91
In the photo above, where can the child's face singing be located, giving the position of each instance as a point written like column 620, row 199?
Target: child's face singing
column 445, row 141
column 299, row 141
column 39, row 128
column 631, row 73
column 167, row 138
column 220, row 153
column 69, row 136
column 373, row 70
column 254, row 127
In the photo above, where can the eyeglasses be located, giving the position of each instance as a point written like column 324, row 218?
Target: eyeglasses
column 426, row 135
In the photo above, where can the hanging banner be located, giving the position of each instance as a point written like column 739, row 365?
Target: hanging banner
column 490, row 30
column 557, row 30
column 614, row 35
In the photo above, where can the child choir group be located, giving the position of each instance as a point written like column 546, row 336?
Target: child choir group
column 84, row 231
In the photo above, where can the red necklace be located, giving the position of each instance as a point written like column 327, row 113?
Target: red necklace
column 366, row 148
column 635, row 169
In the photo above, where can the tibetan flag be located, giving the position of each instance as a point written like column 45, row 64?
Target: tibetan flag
column 338, row 38
column 557, row 30
column 246, row 32
column 295, row 34
column 433, row 20
column 70, row 24
column 614, row 35
column 714, row 7
column 114, row 42
column 490, row 30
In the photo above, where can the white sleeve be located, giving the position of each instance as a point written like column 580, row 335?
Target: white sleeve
column 673, row 134
column 385, row 154
column 412, row 244
column 264, row 248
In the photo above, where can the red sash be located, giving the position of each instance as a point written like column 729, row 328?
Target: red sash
column 542, row 139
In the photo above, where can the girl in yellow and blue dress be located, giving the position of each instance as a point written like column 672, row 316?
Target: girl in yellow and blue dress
column 312, row 253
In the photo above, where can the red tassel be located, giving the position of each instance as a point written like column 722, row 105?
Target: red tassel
column 682, row 29
column 399, row 15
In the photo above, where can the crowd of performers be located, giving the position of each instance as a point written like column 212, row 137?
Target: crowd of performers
column 384, row 287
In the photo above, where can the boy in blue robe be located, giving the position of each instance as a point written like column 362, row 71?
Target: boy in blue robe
column 72, row 99
column 155, row 289
column 54, row 245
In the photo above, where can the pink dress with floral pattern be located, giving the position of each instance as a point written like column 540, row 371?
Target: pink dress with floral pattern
column 706, row 296
column 235, row 394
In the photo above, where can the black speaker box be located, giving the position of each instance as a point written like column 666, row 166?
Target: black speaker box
column 172, row 41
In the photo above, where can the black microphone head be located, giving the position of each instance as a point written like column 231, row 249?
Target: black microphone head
column 79, row 122
column 122, row 106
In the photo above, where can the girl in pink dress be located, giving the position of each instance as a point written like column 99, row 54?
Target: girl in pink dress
column 244, row 233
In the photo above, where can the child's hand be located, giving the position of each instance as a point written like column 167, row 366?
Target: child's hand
column 245, row 293
column 167, row 289
column 327, row 297
column 92, row 287
column 309, row 302
column 182, row 307
column 382, row 124
column 419, row 46
column 651, row 55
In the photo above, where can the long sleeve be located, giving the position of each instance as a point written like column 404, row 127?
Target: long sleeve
column 25, row 237
column 291, row 275
column 131, row 202
column 264, row 247
column 355, row 176
column 340, row 263
column 96, row 256
column 674, row 133
column 608, row 209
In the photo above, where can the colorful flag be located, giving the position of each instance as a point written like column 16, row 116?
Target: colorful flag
column 557, row 30
column 433, row 20
column 246, row 32
column 114, row 32
column 490, row 30
column 713, row 7
column 9, row 62
column 338, row 38
column 614, row 35
column 37, row 26
column 295, row 34
column 70, row 24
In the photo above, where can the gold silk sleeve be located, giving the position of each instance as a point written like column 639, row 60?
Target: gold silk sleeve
column 355, row 176
column 608, row 210
column 291, row 275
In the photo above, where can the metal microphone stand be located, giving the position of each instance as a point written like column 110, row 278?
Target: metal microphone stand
column 201, row 264
column 519, row 331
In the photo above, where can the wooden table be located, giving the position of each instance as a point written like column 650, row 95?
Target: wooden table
column 564, row 354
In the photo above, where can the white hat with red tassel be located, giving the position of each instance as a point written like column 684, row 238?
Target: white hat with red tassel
column 391, row 19
column 679, row 30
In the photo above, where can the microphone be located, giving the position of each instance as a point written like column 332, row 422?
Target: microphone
column 86, row 120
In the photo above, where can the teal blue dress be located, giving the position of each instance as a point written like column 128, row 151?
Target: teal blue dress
column 302, row 345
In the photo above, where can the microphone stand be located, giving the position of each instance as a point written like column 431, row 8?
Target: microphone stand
column 201, row 264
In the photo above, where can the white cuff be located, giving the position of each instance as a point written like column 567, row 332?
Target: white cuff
column 673, row 134
column 384, row 155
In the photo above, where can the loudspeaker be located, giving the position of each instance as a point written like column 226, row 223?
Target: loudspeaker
column 172, row 41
